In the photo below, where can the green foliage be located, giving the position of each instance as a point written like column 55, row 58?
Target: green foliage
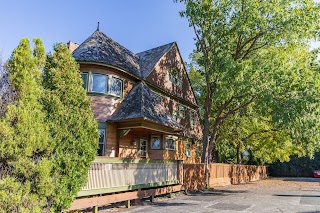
column 72, row 126
column 48, row 135
column 25, row 145
column 256, row 74
column 296, row 167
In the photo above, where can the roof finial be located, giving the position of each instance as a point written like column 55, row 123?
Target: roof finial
column 98, row 26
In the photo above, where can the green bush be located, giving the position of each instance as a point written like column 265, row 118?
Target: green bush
column 296, row 167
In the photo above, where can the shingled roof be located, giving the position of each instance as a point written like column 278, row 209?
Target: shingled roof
column 141, row 102
column 100, row 48
column 149, row 58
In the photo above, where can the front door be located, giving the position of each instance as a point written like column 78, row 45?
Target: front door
column 143, row 149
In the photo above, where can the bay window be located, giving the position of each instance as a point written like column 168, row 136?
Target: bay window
column 84, row 77
column 116, row 87
column 102, row 83
column 99, row 83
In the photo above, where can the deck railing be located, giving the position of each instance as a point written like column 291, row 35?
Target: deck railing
column 108, row 175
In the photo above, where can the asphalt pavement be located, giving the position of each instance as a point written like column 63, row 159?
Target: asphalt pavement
column 301, row 195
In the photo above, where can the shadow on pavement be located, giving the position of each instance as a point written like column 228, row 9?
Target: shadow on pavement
column 163, row 203
column 309, row 212
column 296, row 195
column 218, row 192
column 302, row 179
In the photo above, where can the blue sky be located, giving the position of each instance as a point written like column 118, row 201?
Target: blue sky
column 136, row 24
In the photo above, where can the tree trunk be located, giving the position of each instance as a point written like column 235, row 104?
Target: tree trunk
column 206, row 144
column 239, row 157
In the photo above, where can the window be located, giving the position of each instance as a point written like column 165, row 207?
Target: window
column 188, row 148
column 182, row 112
column 99, row 83
column 174, row 114
column 192, row 118
column 175, row 78
column 102, row 136
column 199, row 150
column 143, row 148
column 170, row 143
column 155, row 142
column 104, row 84
column 84, row 77
column 116, row 87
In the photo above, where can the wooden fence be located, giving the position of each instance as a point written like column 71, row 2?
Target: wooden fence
column 108, row 177
column 221, row 175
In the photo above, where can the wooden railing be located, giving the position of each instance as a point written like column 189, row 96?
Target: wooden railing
column 108, row 175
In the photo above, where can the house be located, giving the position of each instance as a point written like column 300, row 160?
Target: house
column 148, row 120
column 144, row 102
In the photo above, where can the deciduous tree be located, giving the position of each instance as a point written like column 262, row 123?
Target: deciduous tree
column 247, row 57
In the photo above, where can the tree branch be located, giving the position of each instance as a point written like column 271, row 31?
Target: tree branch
column 259, row 132
column 250, row 51
column 252, row 39
column 238, row 108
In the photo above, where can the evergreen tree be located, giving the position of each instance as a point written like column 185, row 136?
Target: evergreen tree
column 25, row 148
column 72, row 126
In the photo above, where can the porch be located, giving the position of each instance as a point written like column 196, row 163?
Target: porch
column 137, row 177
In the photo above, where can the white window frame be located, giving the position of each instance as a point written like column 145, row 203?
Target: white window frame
column 174, row 139
column 110, row 84
column 87, row 80
column 102, row 143
column 145, row 155
column 89, row 83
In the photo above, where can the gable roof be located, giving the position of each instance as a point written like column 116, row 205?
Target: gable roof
column 100, row 48
column 149, row 58
column 143, row 103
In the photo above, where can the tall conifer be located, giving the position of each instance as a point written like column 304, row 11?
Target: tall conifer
column 25, row 181
column 72, row 125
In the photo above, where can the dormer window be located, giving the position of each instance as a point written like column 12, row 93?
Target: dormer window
column 102, row 83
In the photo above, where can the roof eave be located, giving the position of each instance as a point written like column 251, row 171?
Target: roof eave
column 111, row 66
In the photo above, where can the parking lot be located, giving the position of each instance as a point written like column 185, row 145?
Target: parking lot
column 270, row 195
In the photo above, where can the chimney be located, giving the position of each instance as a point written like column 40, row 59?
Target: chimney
column 72, row 46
